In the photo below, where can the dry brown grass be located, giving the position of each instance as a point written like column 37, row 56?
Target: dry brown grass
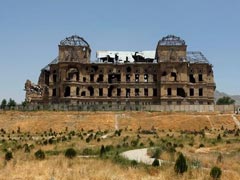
column 24, row 166
column 43, row 120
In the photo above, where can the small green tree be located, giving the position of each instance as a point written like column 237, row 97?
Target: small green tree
column 155, row 163
column 181, row 164
column 102, row 151
column 70, row 153
column 8, row 156
column 11, row 103
column 225, row 100
column 3, row 104
column 215, row 172
column 39, row 154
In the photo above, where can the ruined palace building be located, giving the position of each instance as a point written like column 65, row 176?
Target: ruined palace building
column 168, row 75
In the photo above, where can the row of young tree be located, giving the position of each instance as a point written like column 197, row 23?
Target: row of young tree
column 8, row 104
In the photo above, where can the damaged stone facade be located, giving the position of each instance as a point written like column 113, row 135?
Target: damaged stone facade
column 172, row 76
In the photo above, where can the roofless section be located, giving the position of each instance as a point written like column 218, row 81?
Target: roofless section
column 171, row 48
column 171, row 40
column 74, row 41
column 74, row 49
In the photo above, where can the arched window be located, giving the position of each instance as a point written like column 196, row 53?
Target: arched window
column 67, row 91
column 77, row 91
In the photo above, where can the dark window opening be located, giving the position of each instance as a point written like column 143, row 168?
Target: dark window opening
column 100, row 78
column 136, row 77
column 83, row 93
column 91, row 90
column 169, row 102
column 178, row 102
column 67, row 91
column 46, row 78
column 91, row 77
column 200, row 102
column 164, row 73
column 110, row 89
column 145, row 77
column 136, row 92
column 154, row 77
column 191, row 92
column 169, row 91
column 118, row 76
column 54, row 78
column 54, row 92
column 77, row 91
column 118, row 92
column 201, row 92
column 154, row 92
column 181, row 92
column 111, row 78
column 192, row 79
column 73, row 74
column 173, row 74
column 200, row 77
column 128, row 77
column 145, row 91
column 128, row 92
column 100, row 91
column 84, row 79
column 129, row 69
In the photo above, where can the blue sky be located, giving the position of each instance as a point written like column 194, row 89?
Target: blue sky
column 31, row 30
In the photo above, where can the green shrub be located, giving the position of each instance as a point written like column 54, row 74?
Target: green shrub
column 102, row 151
column 70, row 153
column 181, row 164
column 39, row 154
column 219, row 137
column 134, row 163
column 155, row 163
column 215, row 172
column 8, row 156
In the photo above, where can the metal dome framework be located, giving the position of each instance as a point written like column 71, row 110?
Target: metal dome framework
column 74, row 41
column 171, row 40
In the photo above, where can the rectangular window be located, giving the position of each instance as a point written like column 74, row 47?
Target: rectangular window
column 118, row 92
column 154, row 77
column 154, row 92
column 191, row 78
column 100, row 91
column 54, row 92
column 169, row 91
column 54, row 78
column 127, row 92
column 136, row 92
column 145, row 91
column 136, row 77
column 128, row 77
column 91, row 77
column 145, row 77
column 201, row 92
column 100, row 78
column 191, row 92
column 200, row 77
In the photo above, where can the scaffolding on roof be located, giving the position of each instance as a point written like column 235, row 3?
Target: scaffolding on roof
column 74, row 41
column 171, row 40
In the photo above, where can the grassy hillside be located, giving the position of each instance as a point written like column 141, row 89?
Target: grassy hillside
column 202, row 138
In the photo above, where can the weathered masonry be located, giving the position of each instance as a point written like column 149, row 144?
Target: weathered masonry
column 168, row 75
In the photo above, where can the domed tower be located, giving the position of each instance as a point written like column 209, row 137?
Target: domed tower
column 171, row 48
column 74, row 49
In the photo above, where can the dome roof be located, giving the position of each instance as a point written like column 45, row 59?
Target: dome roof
column 171, row 40
column 74, row 41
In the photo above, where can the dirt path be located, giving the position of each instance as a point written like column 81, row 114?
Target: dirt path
column 140, row 155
